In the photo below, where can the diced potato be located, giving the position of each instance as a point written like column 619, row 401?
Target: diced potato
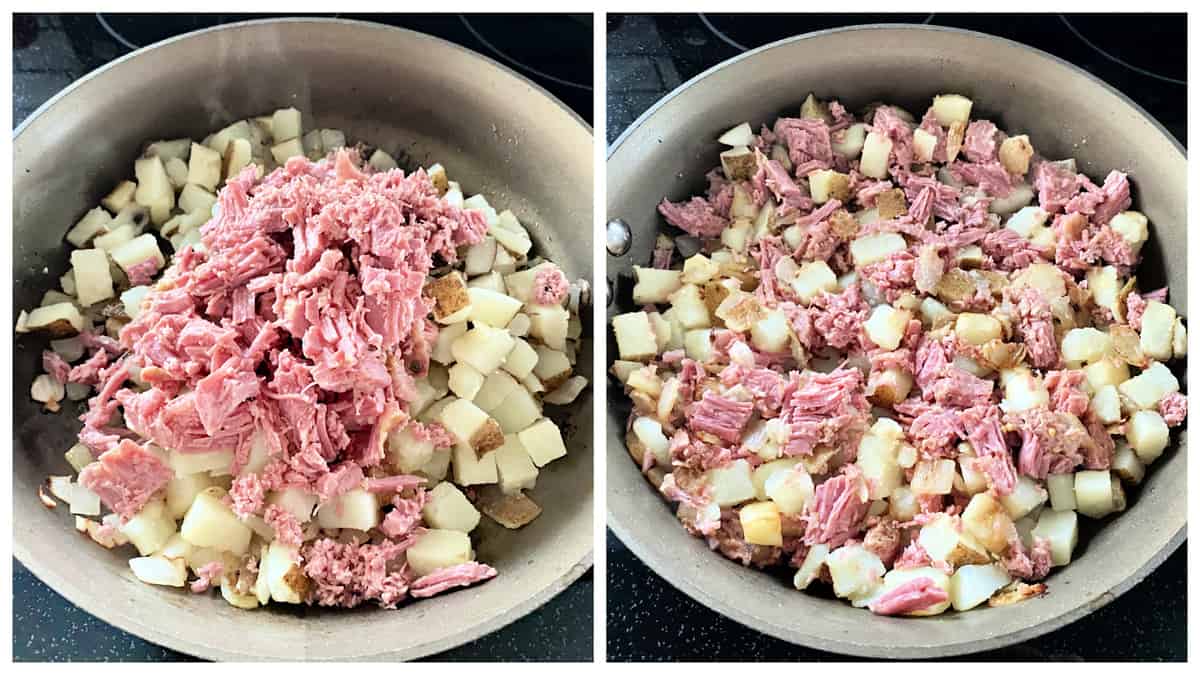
column 886, row 326
column 1133, row 228
column 79, row 456
column 119, row 235
column 159, row 571
column 828, row 184
column 810, row 569
column 296, row 501
column 465, row 381
column 518, row 411
column 738, row 163
column 771, row 333
column 987, row 520
column 120, row 197
column 236, row 157
column 1179, row 340
column 1043, row 277
column 1061, row 529
column 972, row 585
column 472, row 469
column 1106, row 405
column 1025, row 497
column 892, row 386
column 451, row 297
column 933, row 477
column 515, row 469
column 978, row 329
column 550, row 324
column 283, row 151
column 204, row 167
column 876, row 149
column 1015, row 153
column 902, row 504
column 58, row 320
column 923, row 145
column 1107, row 372
column 471, row 427
column 943, row 540
column 690, row 308
column 1147, row 434
column 742, row 134
column 437, row 549
column 731, row 484
column 154, row 190
column 1127, row 465
column 878, row 462
column 1158, row 325
column 790, row 490
column 950, row 108
column 698, row 345
column 176, row 547
column 543, row 441
column 447, row 336
column 552, row 368
column 1023, row 391
column 699, row 269
column 137, row 251
column 873, row 248
column 1085, row 345
column 285, row 577
column 1093, row 493
column 181, row 491
column 93, row 281
column 497, row 387
column 494, row 309
column 353, row 510
column 509, row 232
column 850, row 141
column 93, row 223
column 216, row 461
column 150, row 528
column 761, row 524
column 1149, row 387
column 635, row 336
column 194, row 198
column 449, row 509
column 483, row 347
column 763, row 472
column 856, row 572
column 654, row 286
column 1061, row 487
column 813, row 279
column 210, row 523
column 285, row 124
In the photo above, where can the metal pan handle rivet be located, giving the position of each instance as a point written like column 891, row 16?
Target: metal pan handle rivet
column 618, row 237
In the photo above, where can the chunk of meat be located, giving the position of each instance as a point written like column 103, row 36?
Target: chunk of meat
column 911, row 596
column 126, row 477
column 447, row 578
column 837, row 509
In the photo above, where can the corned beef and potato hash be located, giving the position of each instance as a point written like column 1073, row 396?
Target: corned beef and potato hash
column 315, row 396
column 900, row 356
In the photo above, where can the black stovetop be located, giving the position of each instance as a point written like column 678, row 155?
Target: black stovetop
column 50, row 52
column 1143, row 56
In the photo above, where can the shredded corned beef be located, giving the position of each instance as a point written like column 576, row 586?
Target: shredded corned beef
column 347, row 575
column 247, row 495
column 979, row 143
column 405, row 514
column 992, row 456
column 911, row 596
column 837, row 509
column 448, row 578
column 56, row 366
column 696, row 217
column 720, row 416
column 126, row 477
column 1173, row 408
column 207, row 576
column 287, row 528
column 550, row 285
column 808, row 143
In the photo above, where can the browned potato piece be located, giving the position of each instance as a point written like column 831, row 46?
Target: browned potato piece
column 843, row 224
column 450, row 297
column 512, row 511
column 1016, row 592
column 1015, row 153
column 891, row 204
column 954, row 140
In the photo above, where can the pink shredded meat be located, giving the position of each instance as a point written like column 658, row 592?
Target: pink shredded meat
column 911, row 596
column 550, row 286
column 837, row 509
column 696, row 217
column 56, row 366
column 347, row 574
column 126, row 477
column 447, row 578
column 207, row 576
column 1173, row 408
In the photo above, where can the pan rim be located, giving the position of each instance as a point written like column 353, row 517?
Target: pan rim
column 682, row 580
column 128, row 620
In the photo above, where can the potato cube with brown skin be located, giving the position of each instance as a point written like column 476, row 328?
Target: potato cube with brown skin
column 470, row 426
column 891, row 204
column 943, row 539
column 550, row 324
column 988, row 522
column 1015, row 153
column 449, row 509
column 950, row 108
column 1093, row 493
column 519, row 410
column 451, row 298
column 826, row 184
column 470, row 469
column 738, row 163
column 204, row 167
column 93, row 280
column 543, row 441
column 1147, row 434
column 514, row 466
column 924, row 144
column 635, row 336
column 891, row 386
column 285, row 577
column 654, row 286
column 1158, row 324
column 553, row 367
column 1127, row 464
column 437, row 549
column 875, row 151
column 761, row 524
column 483, row 347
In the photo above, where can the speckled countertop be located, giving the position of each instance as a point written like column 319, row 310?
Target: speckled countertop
column 49, row 53
column 648, row 619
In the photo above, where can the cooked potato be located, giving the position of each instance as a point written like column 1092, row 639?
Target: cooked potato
column 856, row 572
column 933, row 477
column 731, row 484
column 137, row 251
column 950, row 108
column 812, row 279
column 742, row 134
column 472, row 469
column 977, row 329
column 353, row 510
column 543, row 441
column 1133, row 228
column 1158, row 325
column 886, row 326
column 550, row 324
column 989, row 522
column 552, row 368
column 448, row 509
column 810, row 569
column 875, row 152
column 1023, row 391
column 297, row 501
column 181, row 491
column 761, row 524
column 514, row 467
column 1061, row 529
column 873, row 248
column 1149, row 387
column 437, row 549
column 284, row 577
column 1061, row 487
column 826, row 184
column 972, row 585
column 1093, row 493
column 1015, row 153
column 790, row 489
column 1127, row 464
column 93, row 281
column 635, row 337
column 471, row 427
column 518, row 411
column 209, row 523
column 483, row 347
column 465, row 381
column 849, row 142
column 217, row 462
column 159, row 571
column 1147, row 434
column 285, row 124
column 509, row 232
column 236, row 157
column 738, row 163
column 944, row 540
column 1106, row 372
column 93, row 223
column 1085, row 345
column 154, row 190
column 1025, row 497
column 150, row 528
column 204, row 167
column 282, row 152
column 924, row 144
